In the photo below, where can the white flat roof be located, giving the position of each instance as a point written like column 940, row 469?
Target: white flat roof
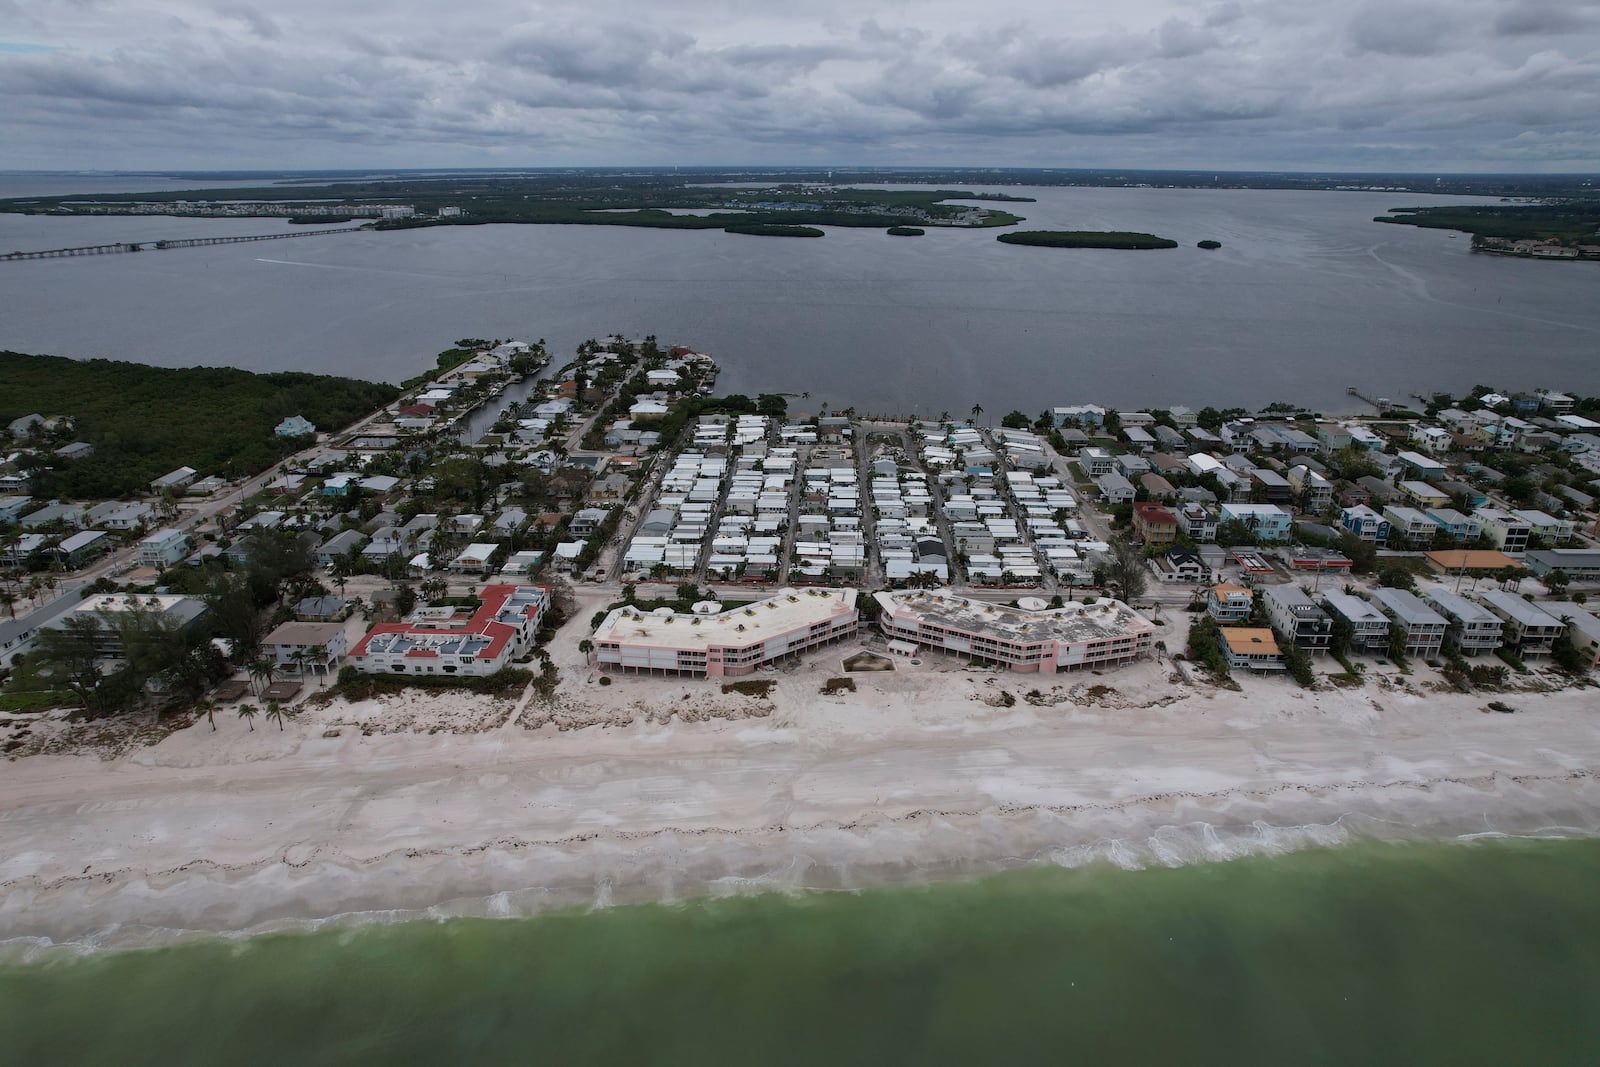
column 743, row 625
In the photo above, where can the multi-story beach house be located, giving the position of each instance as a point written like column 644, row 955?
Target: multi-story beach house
column 1369, row 627
column 1410, row 524
column 1229, row 603
column 1505, row 530
column 1529, row 629
column 1473, row 629
column 1268, row 522
column 1423, row 627
column 1298, row 618
column 1365, row 523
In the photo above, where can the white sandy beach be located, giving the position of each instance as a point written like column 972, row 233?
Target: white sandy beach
column 917, row 774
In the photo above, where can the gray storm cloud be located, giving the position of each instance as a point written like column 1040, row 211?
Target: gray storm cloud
column 1477, row 84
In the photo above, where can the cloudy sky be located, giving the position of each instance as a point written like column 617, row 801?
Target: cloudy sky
column 1457, row 85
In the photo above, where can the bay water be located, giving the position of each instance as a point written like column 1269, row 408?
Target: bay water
column 1374, row 954
column 1306, row 298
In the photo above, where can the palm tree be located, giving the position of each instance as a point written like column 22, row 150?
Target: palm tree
column 302, row 657
column 248, row 713
column 977, row 410
column 207, row 709
column 264, row 670
column 275, row 713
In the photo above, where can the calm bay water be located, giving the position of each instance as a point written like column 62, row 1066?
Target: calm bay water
column 1373, row 954
column 1306, row 297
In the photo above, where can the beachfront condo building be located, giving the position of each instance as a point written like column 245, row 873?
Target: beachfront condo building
column 713, row 642
column 1104, row 633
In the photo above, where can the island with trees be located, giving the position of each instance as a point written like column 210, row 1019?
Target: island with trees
column 1209, row 245
column 769, row 230
column 1559, row 229
column 906, row 231
column 1086, row 239
column 659, row 200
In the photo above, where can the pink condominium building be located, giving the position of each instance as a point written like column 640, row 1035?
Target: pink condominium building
column 1101, row 634
column 722, row 643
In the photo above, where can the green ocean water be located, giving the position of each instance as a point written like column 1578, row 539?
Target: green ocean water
column 1487, row 953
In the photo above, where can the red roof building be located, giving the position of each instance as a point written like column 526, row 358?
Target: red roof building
column 1154, row 523
column 445, row 641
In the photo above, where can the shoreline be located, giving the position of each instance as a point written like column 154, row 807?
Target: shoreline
column 913, row 779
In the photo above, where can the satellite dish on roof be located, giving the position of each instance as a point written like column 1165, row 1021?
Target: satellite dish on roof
column 1032, row 603
column 706, row 607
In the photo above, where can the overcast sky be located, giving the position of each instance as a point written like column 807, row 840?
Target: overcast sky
column 1456, row 85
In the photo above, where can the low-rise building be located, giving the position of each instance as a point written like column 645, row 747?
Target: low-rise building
column 1251, row 648
column 1578, row 564
column 174, row 480
column 295, row 426
column 307, row 647
column 1582, row 626
column 17, row 635
column 12, row 507
column 450, row 641
column 82, row 547
column 1075, row 636
column 1115, row 489
column 55, row 514
column 1083, row 416
column 1180, row 566
column 322, row 609
column 106, row 608
column 475, row 558
column 339, row 546
column 1424, row 628
column 119, row 515
column 725, row 643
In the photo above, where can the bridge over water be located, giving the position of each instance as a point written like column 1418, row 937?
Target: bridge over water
column 188, row 242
